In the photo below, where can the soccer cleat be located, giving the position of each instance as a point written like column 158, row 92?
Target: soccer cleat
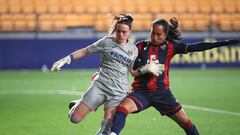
column 72, row 103
column 112, row 133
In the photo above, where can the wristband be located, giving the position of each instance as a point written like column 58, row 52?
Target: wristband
column 71, row 56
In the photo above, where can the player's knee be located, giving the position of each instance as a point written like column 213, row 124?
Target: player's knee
column 186, row 124
column 122, row 109
column 76, row 117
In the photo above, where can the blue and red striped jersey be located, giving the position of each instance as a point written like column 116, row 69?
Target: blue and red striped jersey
column 163, row 53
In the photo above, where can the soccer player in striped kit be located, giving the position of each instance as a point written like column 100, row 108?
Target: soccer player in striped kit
column 110, row 85
column 150, row 90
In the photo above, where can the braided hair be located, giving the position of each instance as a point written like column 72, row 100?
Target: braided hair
column 171, row 29
column 120, row 19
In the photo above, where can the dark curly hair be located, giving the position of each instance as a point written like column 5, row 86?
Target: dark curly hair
column 171, row 28
column 120, row 19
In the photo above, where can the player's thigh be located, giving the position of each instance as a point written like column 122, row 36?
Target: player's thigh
column 82, row 109
column 93, row 98
column 165, row 103
column 137, row 102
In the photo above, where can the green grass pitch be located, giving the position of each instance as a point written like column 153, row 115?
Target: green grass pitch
column 35, row 103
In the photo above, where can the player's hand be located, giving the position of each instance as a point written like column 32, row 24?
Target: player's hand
column 153, row 67
column 58, row 64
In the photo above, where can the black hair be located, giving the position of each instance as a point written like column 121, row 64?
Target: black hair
column 171, row 28
column 120, row 19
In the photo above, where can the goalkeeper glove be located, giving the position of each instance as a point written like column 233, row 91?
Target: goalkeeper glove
column 153, row 67
column 58, row 64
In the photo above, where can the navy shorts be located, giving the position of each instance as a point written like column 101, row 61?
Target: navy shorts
column 163, row 101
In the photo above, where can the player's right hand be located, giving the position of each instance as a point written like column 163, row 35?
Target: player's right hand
column 156, row 68
column 153, row 67
column 58, row 64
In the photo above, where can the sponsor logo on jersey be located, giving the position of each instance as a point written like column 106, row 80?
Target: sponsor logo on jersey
column 124, row 60
column 130, row 52
column 114, row 45
column 163, row 47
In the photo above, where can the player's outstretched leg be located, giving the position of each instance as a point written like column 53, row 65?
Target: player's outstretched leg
column 105, row 128
column 190, row 128
column 119, row 120
column 186, row 124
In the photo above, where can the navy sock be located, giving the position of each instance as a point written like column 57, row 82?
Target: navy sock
column 119, row 120
column 190, row 129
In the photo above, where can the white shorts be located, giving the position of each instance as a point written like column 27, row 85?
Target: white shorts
column 95, row 97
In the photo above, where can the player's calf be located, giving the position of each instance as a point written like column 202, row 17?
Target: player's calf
column 190, row 128
column 105, row 127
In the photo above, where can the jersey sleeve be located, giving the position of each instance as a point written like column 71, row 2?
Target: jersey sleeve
column 98, row 46
column 202, row 46
column 179, row 48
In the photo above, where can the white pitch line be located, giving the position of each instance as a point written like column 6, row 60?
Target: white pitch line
column 38, row 92
column 69, row 92
column 211, row 110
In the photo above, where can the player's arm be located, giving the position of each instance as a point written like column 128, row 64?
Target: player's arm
column 68, row 59
column 202, row 46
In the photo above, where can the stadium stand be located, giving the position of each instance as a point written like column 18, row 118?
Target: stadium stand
column 59, row 15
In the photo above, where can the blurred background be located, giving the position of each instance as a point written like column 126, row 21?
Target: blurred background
column 35, row 33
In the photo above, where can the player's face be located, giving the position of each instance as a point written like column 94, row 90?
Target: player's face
column 157, row 34
column 122, row 33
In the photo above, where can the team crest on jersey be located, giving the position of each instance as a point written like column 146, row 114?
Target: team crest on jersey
column 130, row 52
column 114, row 45
column 163, row 47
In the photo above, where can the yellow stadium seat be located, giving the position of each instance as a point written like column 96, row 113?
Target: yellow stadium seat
column 104, row 6
column 53, row 7
column 142, row 6
column 79, row 20
column 45, row 23
column 91, row 7
column 155, row 6
column 201, row 21
column 40, row 6
column 20, row 24
column 217, row 6
column 51, row 22
column 7, row 21
column 167, row 6
column 205, row 6
column 192, row 6
column 142, row 22
column 116, row 6
column 14, row 8
column 129, row 6
column 102, row 22
column 31, row 20
column 179, row 6
column 28, row 8
column 230, row 6
column 3, row 9
column 59, row 22
column 237, row 2
column 225, row 22
column 236, row 22
column 187, row 22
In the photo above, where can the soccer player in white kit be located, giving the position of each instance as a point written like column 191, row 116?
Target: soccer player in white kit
column 110, row 86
